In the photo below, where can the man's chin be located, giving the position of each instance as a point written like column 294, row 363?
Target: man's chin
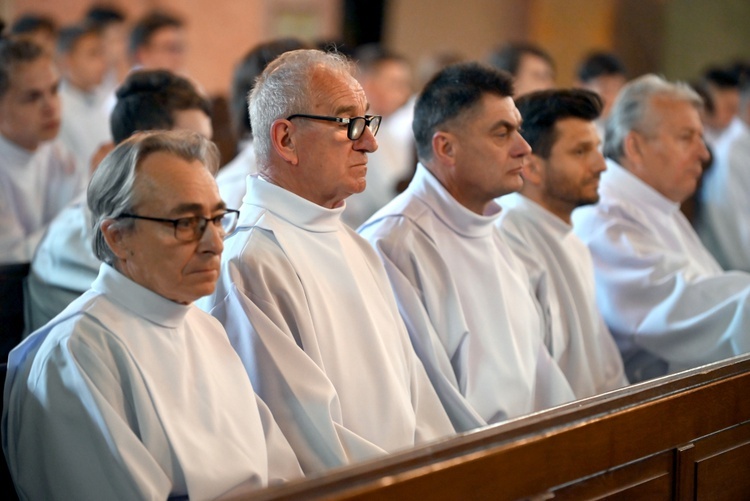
column 359, row 186
column 588, row 201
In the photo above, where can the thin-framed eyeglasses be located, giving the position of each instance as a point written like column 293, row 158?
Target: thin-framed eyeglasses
column 356, row 125
column 190, row 229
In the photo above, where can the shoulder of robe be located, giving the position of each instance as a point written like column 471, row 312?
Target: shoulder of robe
column 256, row 259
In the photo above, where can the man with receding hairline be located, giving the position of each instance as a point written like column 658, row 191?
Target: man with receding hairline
column 304, row 299
column 64, row 265
column 132, row 392
column 666, row 300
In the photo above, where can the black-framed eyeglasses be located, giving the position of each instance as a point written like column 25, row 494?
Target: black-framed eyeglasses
column 356, row 124
column 190, row 229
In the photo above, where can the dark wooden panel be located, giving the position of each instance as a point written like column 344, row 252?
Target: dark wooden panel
column 650, row 478
column 722, row 468
column 725, row 476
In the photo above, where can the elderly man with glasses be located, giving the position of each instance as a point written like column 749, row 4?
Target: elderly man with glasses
column 133, row 392
column 304, row 299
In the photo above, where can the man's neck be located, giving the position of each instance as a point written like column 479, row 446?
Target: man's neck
column 558, row 208
column 31, row 148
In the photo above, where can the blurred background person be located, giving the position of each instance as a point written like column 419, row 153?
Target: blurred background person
column 157, row 42
column 38, row 174
column 64, row 265
column 724, row 215
column 231, row 178
column 85, row 113
column 112, row 23
column 386, row 78
column 532, row 67
column 429, row 66
column 604, row 73
column 38, row 28
column 721, row 84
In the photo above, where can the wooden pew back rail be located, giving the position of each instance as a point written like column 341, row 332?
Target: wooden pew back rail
column 681, row 437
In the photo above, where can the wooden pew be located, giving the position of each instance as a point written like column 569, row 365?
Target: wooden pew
column 680, row 437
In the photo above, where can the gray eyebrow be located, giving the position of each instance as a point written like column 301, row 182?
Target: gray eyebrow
column 192, row 207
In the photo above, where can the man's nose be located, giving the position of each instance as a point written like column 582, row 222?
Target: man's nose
column 212, row 239
column 366, row 141
column 520, row 147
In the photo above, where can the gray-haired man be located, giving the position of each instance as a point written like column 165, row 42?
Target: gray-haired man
column 304, row 299
column 666, row 300
column 132, row 392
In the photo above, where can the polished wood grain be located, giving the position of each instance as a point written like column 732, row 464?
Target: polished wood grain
column 683, row 437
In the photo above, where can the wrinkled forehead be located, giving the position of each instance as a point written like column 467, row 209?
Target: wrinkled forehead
column 165, row 171
column 336, row 91
column 670, row 112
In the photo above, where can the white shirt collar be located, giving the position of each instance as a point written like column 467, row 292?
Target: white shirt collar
column 14, row 154
column 427, row 188
column 143, row 302
column 291, row 207
column 536, row 211
column 618, row 180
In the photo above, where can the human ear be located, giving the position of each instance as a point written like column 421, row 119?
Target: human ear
column 444, row 147
column 283, row 140
column 533, row 169
column 114, row 235
column 633, row 147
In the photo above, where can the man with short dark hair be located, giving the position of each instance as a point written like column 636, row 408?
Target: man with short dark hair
column 724, row 210
column 133, row 392
column 85, row 112
column 722, row 85
column 470, row 312
column 39, row 29
column 304, row 299
column 64, row 265
column 562, row 174
column 157, row 42
column 666, row 300
column 605, row 74
column 111, row 21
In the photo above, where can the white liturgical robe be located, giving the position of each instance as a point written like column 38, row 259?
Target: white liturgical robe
column 85, row 123
column 308, row 307
column 468, row 305
column 724, row 224
column 127, row 395
column 64, row 264
column 562, row 275
column 231, row 179
column 666, row 300
column 34, row 187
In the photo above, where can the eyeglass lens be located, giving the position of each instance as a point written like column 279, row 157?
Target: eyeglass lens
column 357, row 127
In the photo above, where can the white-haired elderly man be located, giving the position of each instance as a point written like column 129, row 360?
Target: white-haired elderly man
column 667, row 301
column 305, row 300
column 132, row 392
